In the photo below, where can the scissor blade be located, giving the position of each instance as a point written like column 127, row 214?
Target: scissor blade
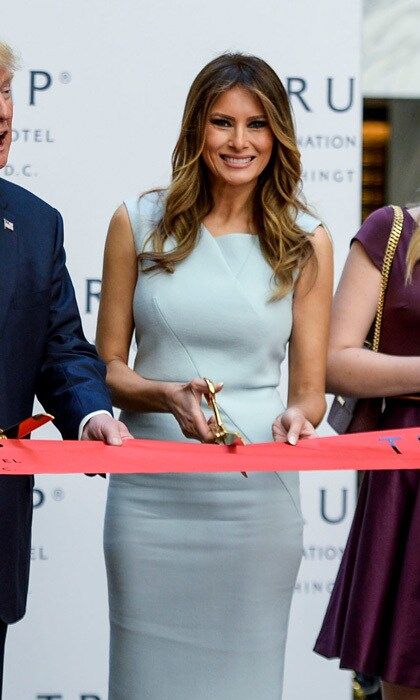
column 26, row 426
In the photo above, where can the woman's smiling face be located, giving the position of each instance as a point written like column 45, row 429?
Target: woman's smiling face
column 238, row 140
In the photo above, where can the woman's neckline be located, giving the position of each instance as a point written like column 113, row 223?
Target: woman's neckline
column 231, row 233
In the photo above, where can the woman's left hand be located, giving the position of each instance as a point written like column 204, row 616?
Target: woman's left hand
column 292, row 426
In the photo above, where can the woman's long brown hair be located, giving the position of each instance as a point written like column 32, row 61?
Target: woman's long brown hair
column 277, row 197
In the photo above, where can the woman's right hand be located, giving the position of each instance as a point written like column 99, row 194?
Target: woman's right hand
column 184, row 402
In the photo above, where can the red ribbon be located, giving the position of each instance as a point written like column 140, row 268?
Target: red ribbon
column 396, row 449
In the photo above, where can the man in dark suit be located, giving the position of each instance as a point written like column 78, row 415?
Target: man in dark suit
column 43, row 353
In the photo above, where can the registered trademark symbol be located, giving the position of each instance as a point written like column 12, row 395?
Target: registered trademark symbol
column 65, row 77
column 58, row 494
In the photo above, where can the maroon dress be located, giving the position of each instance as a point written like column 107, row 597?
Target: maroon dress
column 372, row 623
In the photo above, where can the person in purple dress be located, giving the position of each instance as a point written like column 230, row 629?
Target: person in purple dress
column 372, row 622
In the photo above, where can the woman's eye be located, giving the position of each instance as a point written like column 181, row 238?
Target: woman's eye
column 258, row 124
column 218, row 121
column 7, row 91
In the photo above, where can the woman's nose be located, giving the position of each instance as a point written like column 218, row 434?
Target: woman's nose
column 239, row 138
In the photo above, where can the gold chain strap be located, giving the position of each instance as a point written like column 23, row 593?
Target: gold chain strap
column 393, row 239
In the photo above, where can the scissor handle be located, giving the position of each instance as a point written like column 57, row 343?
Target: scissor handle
column 211, row 401
column 222, row 436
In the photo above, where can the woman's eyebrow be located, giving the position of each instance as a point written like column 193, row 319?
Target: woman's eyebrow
column 220, row 114
column 226, row 116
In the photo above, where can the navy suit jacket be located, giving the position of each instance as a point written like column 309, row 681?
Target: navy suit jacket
column 43, row 353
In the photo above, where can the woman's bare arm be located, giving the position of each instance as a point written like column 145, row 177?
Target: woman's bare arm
column 116, row 324
column 353, row 370
column 308, row 347
column 309, row 339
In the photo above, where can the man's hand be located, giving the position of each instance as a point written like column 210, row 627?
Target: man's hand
column 104, row 427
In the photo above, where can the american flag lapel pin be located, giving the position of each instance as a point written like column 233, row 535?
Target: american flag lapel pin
column 8, row 225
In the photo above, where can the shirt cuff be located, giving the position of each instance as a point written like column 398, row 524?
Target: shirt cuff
column 88, row 417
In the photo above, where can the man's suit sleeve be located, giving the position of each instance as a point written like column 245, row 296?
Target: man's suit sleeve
column 71, row 379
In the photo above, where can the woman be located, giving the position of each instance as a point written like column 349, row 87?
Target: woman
column 373, row 619
column 201, row 567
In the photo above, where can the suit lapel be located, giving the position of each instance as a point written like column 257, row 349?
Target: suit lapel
column 8, row 258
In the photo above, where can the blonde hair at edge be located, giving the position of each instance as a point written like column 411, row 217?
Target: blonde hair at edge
column 413, row 254
column 8, row 60
column 277, row 197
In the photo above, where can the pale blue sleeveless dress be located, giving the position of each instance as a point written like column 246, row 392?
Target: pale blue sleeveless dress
column 201, row 567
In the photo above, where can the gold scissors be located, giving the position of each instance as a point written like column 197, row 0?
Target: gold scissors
column 221, row 435
column 24, row 427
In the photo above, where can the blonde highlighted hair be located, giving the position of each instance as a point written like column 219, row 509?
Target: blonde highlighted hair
column 413, row 254
column 277, row 198
column 8, row 59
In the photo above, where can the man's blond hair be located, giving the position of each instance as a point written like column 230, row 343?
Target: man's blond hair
column 8, row 59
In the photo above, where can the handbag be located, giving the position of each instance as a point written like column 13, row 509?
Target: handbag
column 349, row 414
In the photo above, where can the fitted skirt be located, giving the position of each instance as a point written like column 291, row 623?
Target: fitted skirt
column 201, row 570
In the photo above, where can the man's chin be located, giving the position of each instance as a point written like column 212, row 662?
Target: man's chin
column 4, row 155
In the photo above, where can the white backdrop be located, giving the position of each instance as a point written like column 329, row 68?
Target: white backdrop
column 97, row 109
